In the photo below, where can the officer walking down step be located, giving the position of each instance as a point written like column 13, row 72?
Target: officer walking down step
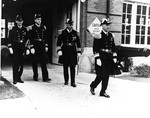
column 39, row 48
column 104, row 49
column 17, row 39
column 68, row 48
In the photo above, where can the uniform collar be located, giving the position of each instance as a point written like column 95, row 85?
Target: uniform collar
column 37, row 25
column 19, row 27
column 105, row 32
column 69, row 30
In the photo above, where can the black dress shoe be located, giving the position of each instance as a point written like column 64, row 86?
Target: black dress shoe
column 35, row 79
column 47, row 80
column 104, row 95
column 92, row 90
column 20, row 81
column 66, row 83
column 73, row 85
column 14, row 82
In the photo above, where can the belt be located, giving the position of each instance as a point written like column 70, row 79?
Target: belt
column 38, row 39
column 19, row 41
column 69, row 44
column 106, row 50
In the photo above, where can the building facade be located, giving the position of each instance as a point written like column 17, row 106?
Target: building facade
column 130, row 25
column 130, row 21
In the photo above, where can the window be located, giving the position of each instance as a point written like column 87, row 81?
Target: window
column 126, row 23
column 3, row 28
column 136, row 17
column 148, row 24
column 140, row 24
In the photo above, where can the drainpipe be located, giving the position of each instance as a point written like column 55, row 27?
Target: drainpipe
column 108, row 9
column 83, row 22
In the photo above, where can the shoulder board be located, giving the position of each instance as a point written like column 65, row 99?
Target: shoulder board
column 44, row 27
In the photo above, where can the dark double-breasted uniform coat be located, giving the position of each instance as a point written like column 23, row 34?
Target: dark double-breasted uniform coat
column 69, row 44
column 106, row 42
column 37, row 36
column 104, row 47
column 18, row 38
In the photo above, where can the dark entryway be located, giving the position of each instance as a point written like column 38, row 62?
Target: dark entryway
column 50, row 10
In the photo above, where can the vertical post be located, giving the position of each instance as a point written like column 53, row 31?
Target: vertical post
column 108, row 8
column 78, row 17
column 83, row 23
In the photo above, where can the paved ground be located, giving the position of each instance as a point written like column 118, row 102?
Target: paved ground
column 129, row 99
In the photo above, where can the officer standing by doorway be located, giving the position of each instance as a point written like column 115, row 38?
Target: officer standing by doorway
column 68, row 48
column 18, row 38
column 39, row 48
column 104, row 49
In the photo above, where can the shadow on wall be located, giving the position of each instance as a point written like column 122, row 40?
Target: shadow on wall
column 86, row 61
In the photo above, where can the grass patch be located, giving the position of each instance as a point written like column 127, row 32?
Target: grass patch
column 8, row 91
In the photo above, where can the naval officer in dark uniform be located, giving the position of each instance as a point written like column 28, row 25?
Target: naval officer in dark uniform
column 39, row 48
column 104, row 50
column 18, row 38
column 68, row 48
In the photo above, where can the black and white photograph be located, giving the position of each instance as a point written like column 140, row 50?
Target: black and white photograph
column 75, row 59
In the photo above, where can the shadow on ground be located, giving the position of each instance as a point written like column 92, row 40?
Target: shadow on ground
column 8, row 91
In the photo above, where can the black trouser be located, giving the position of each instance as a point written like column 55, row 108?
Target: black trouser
column 35, row 60
column 72, row 73
column 97, row 80
column 17, row 60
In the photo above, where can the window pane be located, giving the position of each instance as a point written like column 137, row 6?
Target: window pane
column 124, row 7
column 137, row 40
column 129, row 18
column 129, row 8
column 148, row 30
column 138, row 9
column 138, row 19
column 137, row 29
column 148, row 40
column 149, row 21
column 143, row 30
column 122, row 39
column 142, row 39
column 123, row 18
column 128, row 29
column 123, row 29
column 142, row 20
column 128, row 39
column 144, row 10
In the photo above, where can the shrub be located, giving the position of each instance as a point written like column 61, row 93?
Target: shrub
column 143, row 70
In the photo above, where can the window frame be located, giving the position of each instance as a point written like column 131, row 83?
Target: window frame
column 134, row 25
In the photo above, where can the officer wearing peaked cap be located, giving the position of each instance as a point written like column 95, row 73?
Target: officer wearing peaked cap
column 68, row 48
column 39, row 47
column 104, row 48
column 17, row 38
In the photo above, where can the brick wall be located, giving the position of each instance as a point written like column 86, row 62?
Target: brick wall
column 98, row 8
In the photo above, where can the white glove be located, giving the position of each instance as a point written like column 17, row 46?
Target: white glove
column 33, row 51
column 27, row 52
column 115, row 60
column 79, row 54
column 46, row 49
column 60, row 53
column 115, row 55
column 98, row 62
column 11, row 50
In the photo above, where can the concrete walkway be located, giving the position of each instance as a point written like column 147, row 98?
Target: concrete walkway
column 129, row 99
